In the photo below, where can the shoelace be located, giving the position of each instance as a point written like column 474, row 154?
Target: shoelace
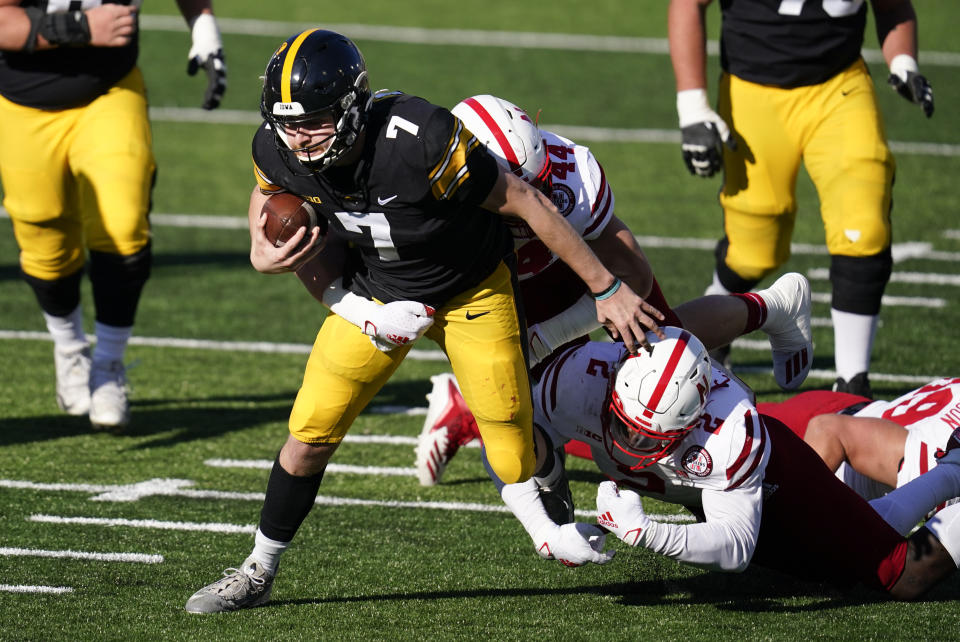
column 235, row 575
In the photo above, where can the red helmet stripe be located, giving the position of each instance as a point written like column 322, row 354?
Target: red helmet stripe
column 667, row 373
column 495, row 130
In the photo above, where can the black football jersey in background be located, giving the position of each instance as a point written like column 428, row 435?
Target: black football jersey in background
column 764, row 42
column 411, row 204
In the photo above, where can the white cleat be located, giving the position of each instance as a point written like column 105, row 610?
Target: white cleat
column 73, row 380
column 788, row 326
column 242, row 588
column 109, row 405
column 449, row 425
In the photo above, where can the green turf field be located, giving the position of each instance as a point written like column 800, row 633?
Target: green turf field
column 127, row 527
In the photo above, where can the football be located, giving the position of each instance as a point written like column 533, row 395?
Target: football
column 286, row 213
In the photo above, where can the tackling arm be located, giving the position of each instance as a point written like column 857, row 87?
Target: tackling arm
column 724, row 542
column 619, row 308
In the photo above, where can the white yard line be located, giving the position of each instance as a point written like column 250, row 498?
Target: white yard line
column 322, row 500
column 431, row 355
column 479, row 38
column 920, row 278
column 580, row 133
column 146, row 523
column 141, row 558
column 26, row 588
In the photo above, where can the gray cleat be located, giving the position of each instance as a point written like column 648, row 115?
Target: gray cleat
column 242, row 588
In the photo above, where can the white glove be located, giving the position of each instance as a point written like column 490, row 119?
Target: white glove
column 704, row 133
column 573, row 544
column 397, row 324
column 621, row 513
column 388, row 326
column 206, row 51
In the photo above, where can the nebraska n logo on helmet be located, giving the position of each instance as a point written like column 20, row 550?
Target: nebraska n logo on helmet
column 657, row 398
column 316, row 76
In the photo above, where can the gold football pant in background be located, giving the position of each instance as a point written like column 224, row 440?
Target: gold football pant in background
column 835, row 129
column 76, row 178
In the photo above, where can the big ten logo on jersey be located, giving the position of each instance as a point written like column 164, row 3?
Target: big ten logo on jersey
column 562, row 166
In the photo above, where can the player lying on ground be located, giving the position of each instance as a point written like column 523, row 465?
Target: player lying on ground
column 557, row 310
column 669, row 424
column 876, row 446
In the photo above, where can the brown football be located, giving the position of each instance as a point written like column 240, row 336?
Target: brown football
column 287, row 213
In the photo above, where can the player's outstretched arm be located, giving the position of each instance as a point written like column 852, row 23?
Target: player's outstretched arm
column 573, row 544
column 619, row 308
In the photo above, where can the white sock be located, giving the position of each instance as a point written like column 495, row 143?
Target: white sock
column 111, row 342
column 267, row 552
column 904, row 507
column 716, row 287
column 67, row 332
column 852, row 341
column 945, row 526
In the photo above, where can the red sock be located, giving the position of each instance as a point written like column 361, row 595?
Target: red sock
column 756, row 310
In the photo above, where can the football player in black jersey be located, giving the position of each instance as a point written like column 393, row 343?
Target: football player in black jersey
column 77, row 171
column 423, row 202
column 794, row 87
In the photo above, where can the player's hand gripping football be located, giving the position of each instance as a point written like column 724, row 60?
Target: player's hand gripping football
column 573, row 544
column 291, row 255
column 621, row 513
column 206, row 51
column 905, row 77
column 703, row 133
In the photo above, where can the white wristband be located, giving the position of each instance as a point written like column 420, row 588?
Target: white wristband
column 574, row 322
column 204, row 35
column 523, row 500
column 902, row 64
column 348, row 305
column 693, row 107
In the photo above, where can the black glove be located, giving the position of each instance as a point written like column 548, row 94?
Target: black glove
column 916, row 89
column 703, row 148
column 216, row 70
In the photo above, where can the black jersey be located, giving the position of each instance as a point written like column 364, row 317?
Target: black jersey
column 411, row 204
column 64, row 77
column 790, row 43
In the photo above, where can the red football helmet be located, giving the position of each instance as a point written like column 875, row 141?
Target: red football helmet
column 656, row 399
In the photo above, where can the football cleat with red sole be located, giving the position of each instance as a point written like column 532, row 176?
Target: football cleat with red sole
column 449, row 425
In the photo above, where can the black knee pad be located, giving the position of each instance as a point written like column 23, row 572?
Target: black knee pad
column 729, row 279
column 859, row 282
column 117, row 283
column 58, row 297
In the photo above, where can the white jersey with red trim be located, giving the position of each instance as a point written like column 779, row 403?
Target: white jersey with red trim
column 719, row 466
column 580, row 193
column 930, row 414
